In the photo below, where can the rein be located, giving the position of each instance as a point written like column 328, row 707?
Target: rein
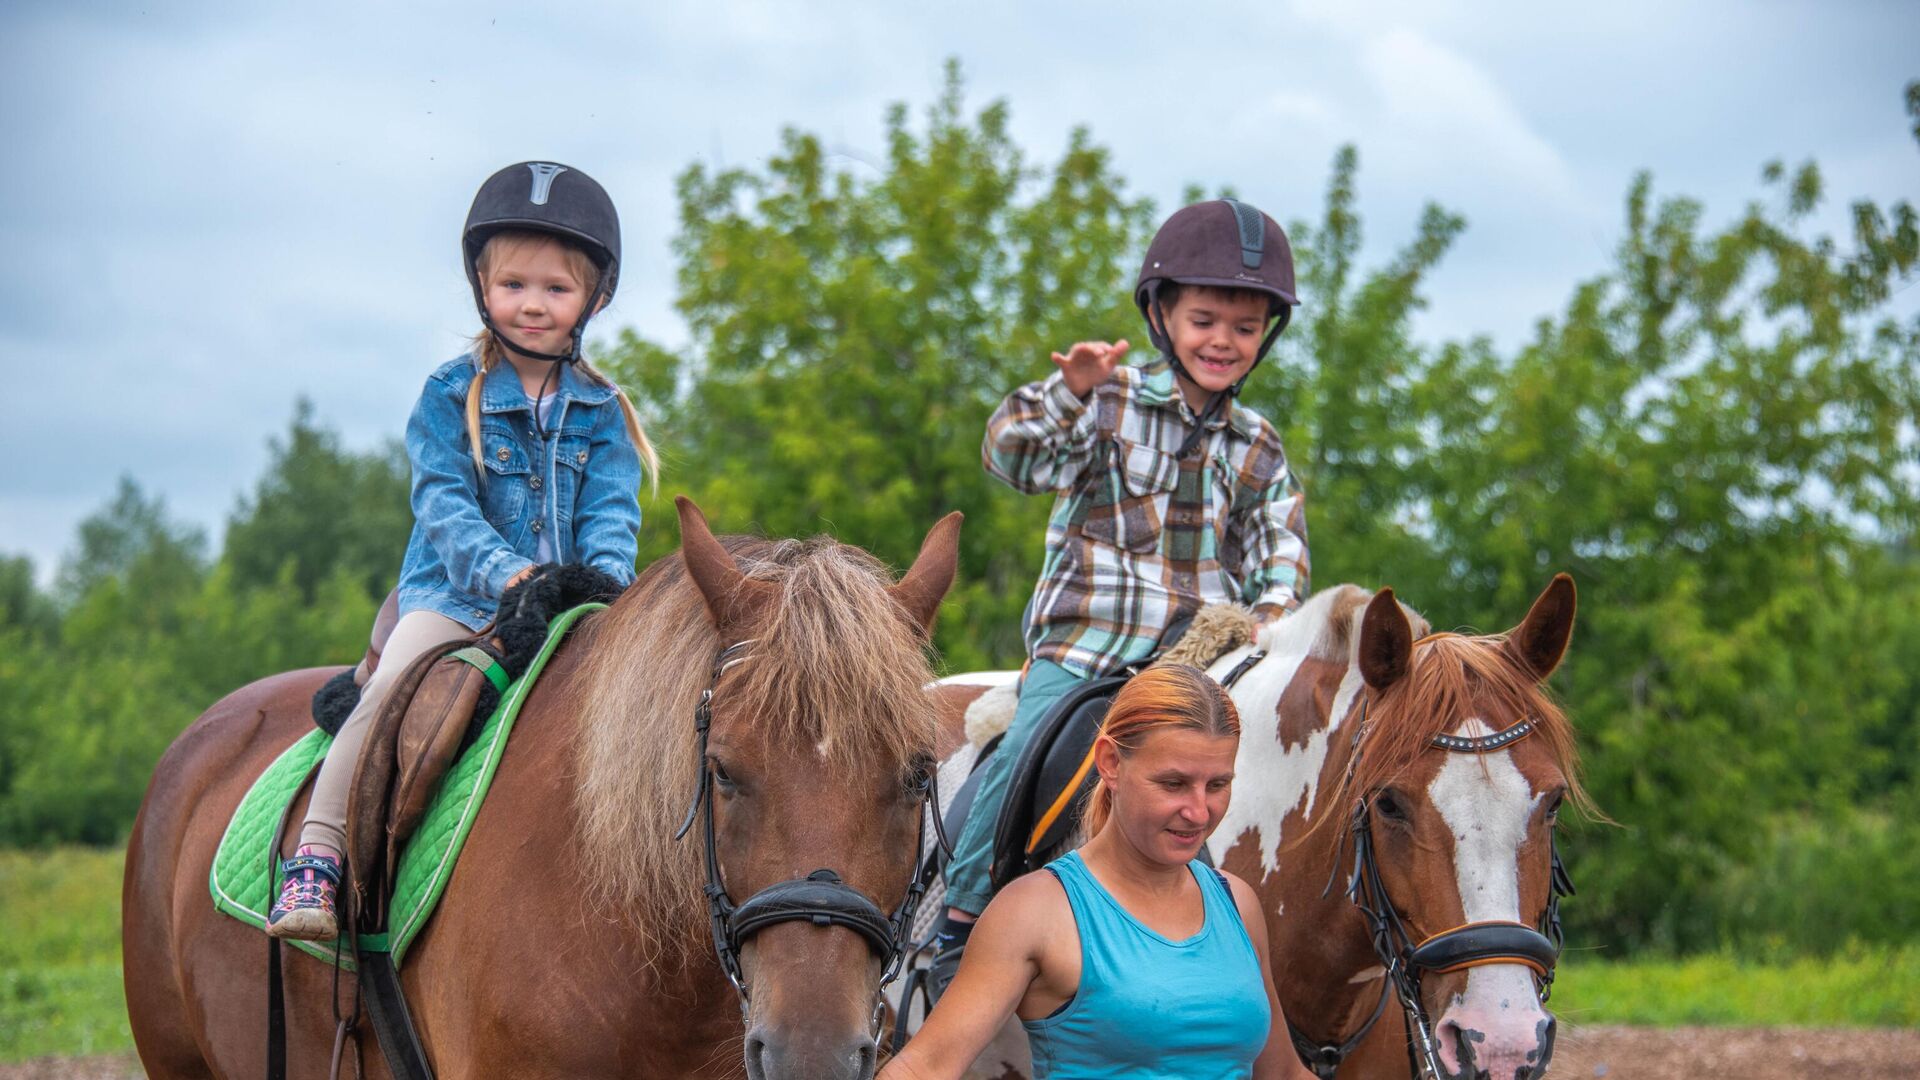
column 820, row 898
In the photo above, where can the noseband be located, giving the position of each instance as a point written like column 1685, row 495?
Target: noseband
column 1495, row 941
column 820, row 898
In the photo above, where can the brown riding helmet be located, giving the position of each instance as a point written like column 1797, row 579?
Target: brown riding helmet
column 1223, row 243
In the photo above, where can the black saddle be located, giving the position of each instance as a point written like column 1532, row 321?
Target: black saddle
column 1051, row 780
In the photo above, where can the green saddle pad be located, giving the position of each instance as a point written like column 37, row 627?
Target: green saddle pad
column 246, row 875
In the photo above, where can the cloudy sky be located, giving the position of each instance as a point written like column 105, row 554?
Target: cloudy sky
column 208, row 210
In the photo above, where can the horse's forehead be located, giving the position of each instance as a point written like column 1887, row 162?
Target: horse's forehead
column 1529, row 762
column 1488, row 806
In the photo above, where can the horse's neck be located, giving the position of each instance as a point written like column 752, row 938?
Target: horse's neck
column 1293, row 710
column 1297, row 715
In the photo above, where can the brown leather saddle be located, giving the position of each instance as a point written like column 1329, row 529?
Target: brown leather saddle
column 411, row 742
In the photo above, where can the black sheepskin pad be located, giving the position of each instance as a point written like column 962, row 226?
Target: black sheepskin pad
column 334, row 702
column 520, row 627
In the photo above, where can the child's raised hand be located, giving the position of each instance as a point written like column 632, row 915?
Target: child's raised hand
column 1089, row 363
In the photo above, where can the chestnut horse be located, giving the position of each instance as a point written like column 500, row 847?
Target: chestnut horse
column 573, row 939
column 1340, row 713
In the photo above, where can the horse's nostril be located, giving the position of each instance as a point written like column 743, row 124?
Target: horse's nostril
column 1543, row 1049
column 866, row 1062
column 756, row 1057
column 1460, row 1041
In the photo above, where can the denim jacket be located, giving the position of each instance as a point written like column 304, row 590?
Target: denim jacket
column 468, row 539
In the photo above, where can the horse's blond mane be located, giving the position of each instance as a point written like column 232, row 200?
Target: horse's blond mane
column 837, row 662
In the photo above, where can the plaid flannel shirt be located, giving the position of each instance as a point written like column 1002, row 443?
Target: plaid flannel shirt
column 1140, row 539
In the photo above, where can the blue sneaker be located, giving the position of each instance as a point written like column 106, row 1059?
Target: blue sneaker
column 305, row 910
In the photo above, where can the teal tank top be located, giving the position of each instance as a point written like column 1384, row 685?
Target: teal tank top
column 1148, row 1007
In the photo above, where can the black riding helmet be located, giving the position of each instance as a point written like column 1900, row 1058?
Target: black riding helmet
column 544, row 197
column 1224, row 244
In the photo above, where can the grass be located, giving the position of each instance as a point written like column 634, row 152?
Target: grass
column 1859, row 987
column 60, row 987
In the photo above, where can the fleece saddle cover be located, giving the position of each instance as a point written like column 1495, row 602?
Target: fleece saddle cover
column 246, row 875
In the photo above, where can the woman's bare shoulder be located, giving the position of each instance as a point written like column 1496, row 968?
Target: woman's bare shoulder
column 1030, row 905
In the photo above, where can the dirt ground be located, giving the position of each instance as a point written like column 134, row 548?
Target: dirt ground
column 1754, row 1053
column 1613, row 1053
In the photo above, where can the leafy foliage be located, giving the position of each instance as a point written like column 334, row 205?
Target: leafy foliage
column 1715, row 435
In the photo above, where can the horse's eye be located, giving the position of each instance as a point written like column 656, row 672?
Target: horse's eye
column 1389, row 806
column 720, row 775
column 1553, row 809
column 919, row 779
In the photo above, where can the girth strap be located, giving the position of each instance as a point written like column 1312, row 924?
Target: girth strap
column 392, row 1022
column 487, row 663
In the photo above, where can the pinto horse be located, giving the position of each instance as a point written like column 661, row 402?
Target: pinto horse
column 574, row 938
column 1440, row 756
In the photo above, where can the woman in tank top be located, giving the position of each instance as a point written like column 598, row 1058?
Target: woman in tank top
column 1128, row 957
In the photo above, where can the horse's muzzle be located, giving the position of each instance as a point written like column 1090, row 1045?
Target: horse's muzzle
column 773, row 1054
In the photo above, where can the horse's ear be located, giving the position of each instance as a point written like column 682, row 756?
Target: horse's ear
column 1540, row 641
column 926, row 582
column 1386, row 641
column 732, row 597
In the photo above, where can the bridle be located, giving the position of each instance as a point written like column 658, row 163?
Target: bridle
column 1493, row 941
column 820, row 898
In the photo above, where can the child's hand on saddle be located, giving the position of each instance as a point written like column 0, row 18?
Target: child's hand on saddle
column 1089, row 363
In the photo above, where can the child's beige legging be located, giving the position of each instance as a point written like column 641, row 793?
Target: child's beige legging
column 416, row 632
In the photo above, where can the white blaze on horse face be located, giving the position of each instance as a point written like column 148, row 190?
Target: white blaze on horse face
column 1487, row 804
column 1271, row 781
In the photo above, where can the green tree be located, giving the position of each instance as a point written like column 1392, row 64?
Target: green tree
column 132, row 534
column 22, row 605
column 323, row 510
column 852, row 334
column 1716, row 437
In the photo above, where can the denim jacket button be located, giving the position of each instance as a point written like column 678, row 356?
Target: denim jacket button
column 533, row 482
column 581, row 457
column 503, row 453
column 536, row 524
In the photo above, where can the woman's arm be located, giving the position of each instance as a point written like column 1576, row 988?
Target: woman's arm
column 1002, row 960
column 1277, row 1061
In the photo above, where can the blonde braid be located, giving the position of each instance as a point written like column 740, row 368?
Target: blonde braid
column 486, row 352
